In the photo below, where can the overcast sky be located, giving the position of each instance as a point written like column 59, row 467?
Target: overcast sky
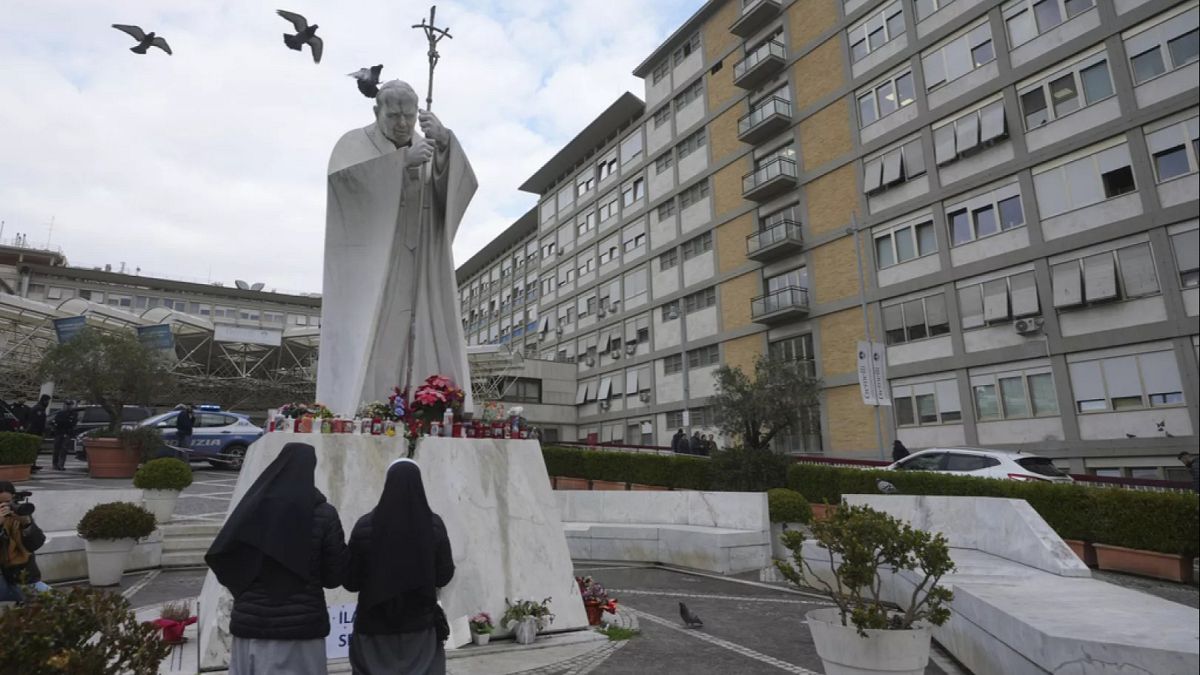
column 210, row 164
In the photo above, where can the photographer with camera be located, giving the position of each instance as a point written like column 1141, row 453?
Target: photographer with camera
column 19, row 538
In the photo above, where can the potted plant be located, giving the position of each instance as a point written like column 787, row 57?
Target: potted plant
column 81, row 630
column 109, row 532
column 172, row 619
column 110, row 370
column 481, row 628
column 526, row 617
column 161, row 480
column 595, row 600
column 18, row 452
column 788, row 510
column 859, row 542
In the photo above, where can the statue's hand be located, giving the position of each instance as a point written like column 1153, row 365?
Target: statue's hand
column 432, row 128
column 420, row 152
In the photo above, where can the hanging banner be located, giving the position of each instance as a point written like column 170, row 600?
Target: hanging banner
column 158, row 337
column 68, row 327
column 866, row 382
column 879, row 380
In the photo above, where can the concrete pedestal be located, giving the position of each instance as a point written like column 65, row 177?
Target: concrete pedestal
column 494, row 496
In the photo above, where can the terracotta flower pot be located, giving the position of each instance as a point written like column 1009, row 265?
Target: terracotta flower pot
column 648, row 488
column 1146, row 563
column 607, row 485
column 594, row 611
column 109, row 458
column 15, row 473
column 564, row 483
column 823, row 511
column 1084, row 550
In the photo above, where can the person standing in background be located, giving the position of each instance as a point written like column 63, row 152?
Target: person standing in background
column 64, row 433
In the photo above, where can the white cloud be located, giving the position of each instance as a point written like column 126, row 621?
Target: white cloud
column 210, row 163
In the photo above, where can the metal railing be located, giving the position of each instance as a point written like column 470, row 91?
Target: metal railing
column 784, row 230
column 790, row 297
column 771, row 106
column 772, row 48
column 774, row 168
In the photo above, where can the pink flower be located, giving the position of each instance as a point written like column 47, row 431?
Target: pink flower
column 439, row 381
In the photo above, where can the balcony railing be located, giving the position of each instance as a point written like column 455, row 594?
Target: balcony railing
column 780, row 305
column 756, row 14
column 759, row 65
column 767, row 119
column 776, row 241
column 771, row 178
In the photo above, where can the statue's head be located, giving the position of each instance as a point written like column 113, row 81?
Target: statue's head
column 396, row 111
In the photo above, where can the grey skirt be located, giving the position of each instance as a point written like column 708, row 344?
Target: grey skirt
column 418, row 653
column 274, row 657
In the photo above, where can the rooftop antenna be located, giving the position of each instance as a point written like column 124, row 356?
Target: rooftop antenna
column 51, row 233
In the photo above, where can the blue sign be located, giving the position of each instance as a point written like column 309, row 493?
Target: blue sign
column 68, row 327
column 157, row 337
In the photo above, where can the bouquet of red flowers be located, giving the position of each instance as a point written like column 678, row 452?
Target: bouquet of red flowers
column 433, row 397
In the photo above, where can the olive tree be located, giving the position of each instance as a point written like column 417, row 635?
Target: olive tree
column 782, row 397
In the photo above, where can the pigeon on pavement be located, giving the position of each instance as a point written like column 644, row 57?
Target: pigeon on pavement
column 368, row 80
column 145, row 40
column 305, row 35
column 689, row 619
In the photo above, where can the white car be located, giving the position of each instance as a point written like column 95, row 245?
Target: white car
column 984, row 463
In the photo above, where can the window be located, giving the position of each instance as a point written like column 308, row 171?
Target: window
column 609, row 251
column 799, row 348
column 1084, row 181
column 894, row 166
column 1079, row 85
column 635, row 283
column 607, row 167
column 984, row 216
column 998, row 300
column 1147, row 380
column 633, row 191
column 673, row 364
column 691, row 144
column 1169, row 44
column 1026, row 19
column 586, row 224
column 686, row 49
column 666, row 210
column 693, row 195
column 959, row 56
column 885, row 98
column 662, row 116
column 693, row 92
column 608, row 207
column 670, row 311
column 1123, row 273
column 1174, row 149
column 1187, row 257
column 660, row 72
column 584, row 183
column 925, row 8
column 1014, row 394
column 904, row 243
column 930, row 461
column 970, row 132
column 668, row 259
column 698, row 246
column 877, row 30
column 704, row 356
column 700, row 300
column 915, row 319
column 548, row 248
column 926, row 403
column 631, row 147
column 634, row 237
column 664, row 163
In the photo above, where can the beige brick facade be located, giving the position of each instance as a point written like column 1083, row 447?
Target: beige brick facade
column 735, row 300
column 731, row 242
column 840, row 333
column 807, row 19
column 819, row 73
column 851, row 424
column 834, row 271
column 727, row 187
column 825, row 135
column 723, row 134
column 720, row 86
column 741, row 352
column 832, row 199
column 716, row 35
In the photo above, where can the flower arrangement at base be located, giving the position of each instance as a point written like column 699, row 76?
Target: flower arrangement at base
column 434, row 396
column 595, row 599
column 298, row 410
column 481, row 623
column 173, row 619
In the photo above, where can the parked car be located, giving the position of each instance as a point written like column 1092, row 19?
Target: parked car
column 984, row 463
column 218, row 436
column 90, row 417
column 8, row 420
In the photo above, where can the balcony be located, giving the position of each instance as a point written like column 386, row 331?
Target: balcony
column 756, row 14
column 759, row 65
column 768, row 119
column 771, row 179
column 777, row 241
column 786, row 304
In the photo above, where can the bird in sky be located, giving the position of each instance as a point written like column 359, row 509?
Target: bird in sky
column 368, row 80
column 689, row 619
column 145, row 40
column 305, row 35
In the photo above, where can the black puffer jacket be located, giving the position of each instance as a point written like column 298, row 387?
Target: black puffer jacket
column 414, row 611
column 299, row 616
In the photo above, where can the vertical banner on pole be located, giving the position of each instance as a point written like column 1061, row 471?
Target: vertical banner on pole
column 866, row 383
column 879, row 380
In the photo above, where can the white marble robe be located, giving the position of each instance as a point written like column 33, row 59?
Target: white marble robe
column 372, row 246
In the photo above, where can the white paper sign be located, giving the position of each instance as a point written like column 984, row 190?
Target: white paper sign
column 866, row 383
column 341, row 625
column 879, row 380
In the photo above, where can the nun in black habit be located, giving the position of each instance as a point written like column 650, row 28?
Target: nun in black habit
column 276, row 551
column 399, row 557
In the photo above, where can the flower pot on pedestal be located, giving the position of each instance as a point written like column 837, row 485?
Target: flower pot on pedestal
column 110, row 458
column 161, row 503
column 1145, row 563
column 161, row 480
column 844, row 652
column 15, row 473
column 106, row 560
column 482, row 639
column 17, row 452
column 526, row 630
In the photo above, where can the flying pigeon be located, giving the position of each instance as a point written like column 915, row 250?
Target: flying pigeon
column 689, row 619
column 887, row 488
column 145, row 40
column 305, row 34
column 368, row 80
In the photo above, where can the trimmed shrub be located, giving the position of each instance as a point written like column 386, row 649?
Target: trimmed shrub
column 681, row 472
column 788, row 506
column 116, row 520
column 18, row 449
column 749, row 469
column 166, row 473
column 1166, row 522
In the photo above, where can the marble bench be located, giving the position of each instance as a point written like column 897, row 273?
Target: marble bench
column 58, row 512
column 723, row 532
column 1024, row 605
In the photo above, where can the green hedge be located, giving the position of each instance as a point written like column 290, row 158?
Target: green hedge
column 683, row 472
column 788, row 506
column 18, row 449
column 1167, row 522
column 164, row 473
column 116, row 520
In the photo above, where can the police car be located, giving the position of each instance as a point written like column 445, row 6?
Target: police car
column 218, row 436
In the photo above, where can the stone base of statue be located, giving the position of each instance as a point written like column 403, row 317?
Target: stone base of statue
column 499, row 510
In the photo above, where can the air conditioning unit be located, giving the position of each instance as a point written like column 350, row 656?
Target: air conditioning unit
column 1029, row 325
column 601, row 313
column 631, row 348
column 673, row 314
column 615, row 354
column 644, row 397
column 605, row 405
column 558, row 331
column 590, row 361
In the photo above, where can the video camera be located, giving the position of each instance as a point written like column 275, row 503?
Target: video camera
column 21, row 507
